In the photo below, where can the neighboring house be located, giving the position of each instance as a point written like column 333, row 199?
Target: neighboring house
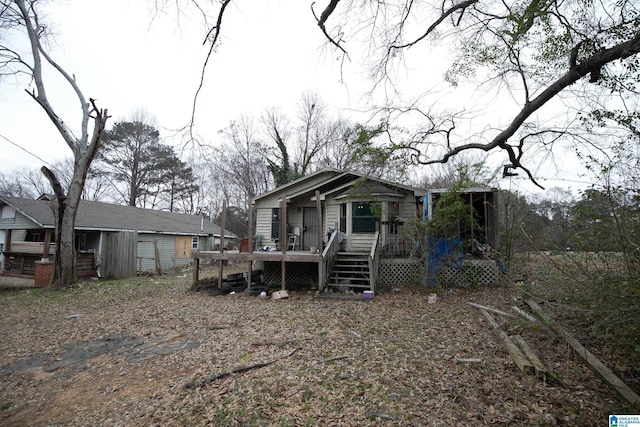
column 112, row 241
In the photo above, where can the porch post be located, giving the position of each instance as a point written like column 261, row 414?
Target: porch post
column 283, row 239
column 7, row 241
column 47, row 243
column 196, row 270
column 249, row 263
column 319, row 221
column 223, row 220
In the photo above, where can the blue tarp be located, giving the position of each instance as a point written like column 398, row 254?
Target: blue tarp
column 443, row 251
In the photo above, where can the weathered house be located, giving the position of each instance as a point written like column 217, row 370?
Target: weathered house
column 328, row 229
column 342, row 229
column 112, row 241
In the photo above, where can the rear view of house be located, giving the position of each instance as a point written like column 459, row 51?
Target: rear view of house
column 344, row 230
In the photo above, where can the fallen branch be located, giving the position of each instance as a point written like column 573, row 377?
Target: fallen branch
column 278, row 343
column 493, row 310
column 469, row 360
column 524, row 314
column 538, row 367
column 194, row 384
column 594, row 363
column 535, row 321
column 520, row 359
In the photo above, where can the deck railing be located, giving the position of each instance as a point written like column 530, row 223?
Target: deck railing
column 374, row 261
column 397, row 242
column 36, row 248
column 328, row 259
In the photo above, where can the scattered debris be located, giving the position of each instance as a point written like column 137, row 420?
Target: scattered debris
column 524, row 314
column 593, row 362
column 194, row 384
column 432, row 298
column 469, row 360
column 73, row 316
column 278, row 343
column 280, row 295
column 332, row 359
column 520, row 359
column 538, row 368
column 491, row 309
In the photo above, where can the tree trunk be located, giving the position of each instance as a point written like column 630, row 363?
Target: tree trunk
column 65, row 207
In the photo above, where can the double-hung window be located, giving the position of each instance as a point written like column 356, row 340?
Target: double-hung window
column 363, row 218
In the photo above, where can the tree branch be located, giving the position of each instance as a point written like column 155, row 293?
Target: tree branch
column 215, row 30
column 575, row 73
column 322, row 24
column 432, row 27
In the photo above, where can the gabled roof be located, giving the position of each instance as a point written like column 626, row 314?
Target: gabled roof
column 337, row 180
column 107, row 217
column 328, row 173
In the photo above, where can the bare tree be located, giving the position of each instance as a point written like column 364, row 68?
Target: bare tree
column 31, row 183
column 239, row 168
column 20, row 17
column 532, row 52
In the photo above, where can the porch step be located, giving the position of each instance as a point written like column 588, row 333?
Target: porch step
column 350, row 270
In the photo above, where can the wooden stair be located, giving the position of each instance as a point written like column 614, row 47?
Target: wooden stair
column 350, row 271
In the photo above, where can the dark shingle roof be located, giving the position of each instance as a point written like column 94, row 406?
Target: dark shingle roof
column 108, row 217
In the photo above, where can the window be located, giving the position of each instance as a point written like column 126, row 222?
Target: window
column 35, row 236
column 194, row 242
column 392, row 217
column 364, row 220
column 343, row 217
column 81, row 241
column 275, row 223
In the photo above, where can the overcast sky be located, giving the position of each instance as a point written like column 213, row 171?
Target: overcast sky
column 127, row 58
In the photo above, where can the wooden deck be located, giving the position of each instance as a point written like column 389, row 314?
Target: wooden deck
column 288, row 256
column 283, row 257
column 324, row 260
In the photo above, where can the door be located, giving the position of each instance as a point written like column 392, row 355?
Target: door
column 310, row 228
column 182, row 247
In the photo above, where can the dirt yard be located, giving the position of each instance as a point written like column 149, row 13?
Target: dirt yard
column 150, row 352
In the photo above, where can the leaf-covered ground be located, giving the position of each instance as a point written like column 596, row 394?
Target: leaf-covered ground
column 394, row 360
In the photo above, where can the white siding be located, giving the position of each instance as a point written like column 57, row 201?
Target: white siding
column 19, row 222
column 408, row 208
column 361, row 242
column 263, row 226
column 331, row 214
column 7, row 212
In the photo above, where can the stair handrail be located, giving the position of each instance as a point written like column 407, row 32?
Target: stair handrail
column 328, row 259
column 374, row 260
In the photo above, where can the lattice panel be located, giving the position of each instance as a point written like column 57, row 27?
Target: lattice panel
column 299, row 274
column 473, row 273
column 399, row 272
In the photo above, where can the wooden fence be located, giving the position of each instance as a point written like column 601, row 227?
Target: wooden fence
column 121, row 255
